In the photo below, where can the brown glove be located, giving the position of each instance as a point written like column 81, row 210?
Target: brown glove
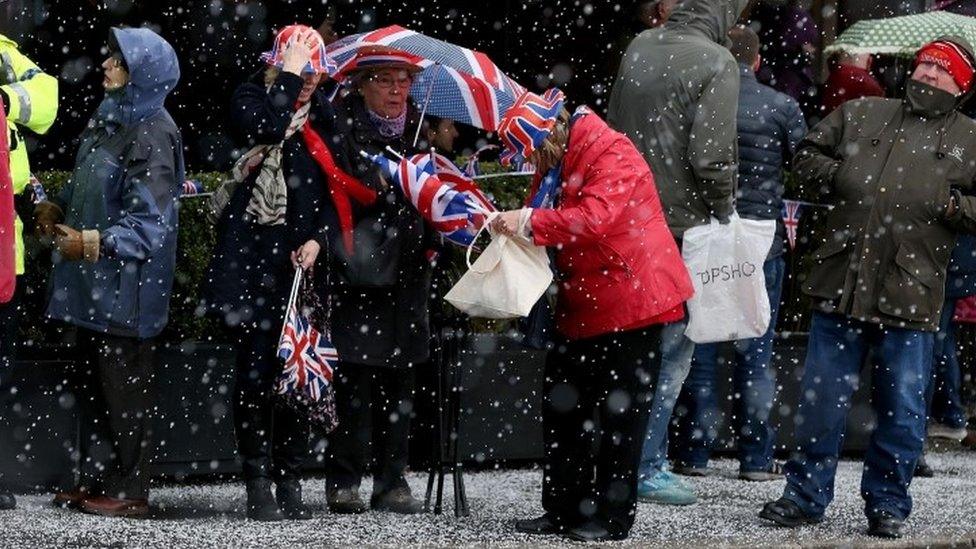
column 46, row 215
column 74, row 245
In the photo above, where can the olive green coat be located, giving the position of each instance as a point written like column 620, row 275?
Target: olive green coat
column 888, row 167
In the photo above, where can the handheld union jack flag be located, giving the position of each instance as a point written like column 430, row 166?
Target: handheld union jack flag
column 464, row 84
column 445, row 198
column 310, row 359
column 791, row 220
column 472, row 167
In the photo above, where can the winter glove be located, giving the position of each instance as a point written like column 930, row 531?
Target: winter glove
column 74, row 245
column 46, row 216
column 24, row 205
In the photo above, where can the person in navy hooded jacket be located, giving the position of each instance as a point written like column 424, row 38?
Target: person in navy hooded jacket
column 114, row 227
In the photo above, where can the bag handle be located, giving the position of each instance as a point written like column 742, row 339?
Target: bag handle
column 490, row 217
column 292, row 296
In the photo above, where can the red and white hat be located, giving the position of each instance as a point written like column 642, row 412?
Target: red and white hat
column 320, row 63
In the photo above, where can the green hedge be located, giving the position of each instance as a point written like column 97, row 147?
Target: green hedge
column 196, row 240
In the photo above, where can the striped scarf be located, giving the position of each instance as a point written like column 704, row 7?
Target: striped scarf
column 269, row 198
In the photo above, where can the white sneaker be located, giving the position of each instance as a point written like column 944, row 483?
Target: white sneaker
column 938, row 430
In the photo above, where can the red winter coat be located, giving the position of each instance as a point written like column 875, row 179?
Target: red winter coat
column 618, row 264
column 847, row 82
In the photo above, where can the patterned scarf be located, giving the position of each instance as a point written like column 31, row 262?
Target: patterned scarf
column 269, row 199
column 389, row 127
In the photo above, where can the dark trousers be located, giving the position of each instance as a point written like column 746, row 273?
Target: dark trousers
column 597, row 399
column 753, row 389
column 272, row 439
column 837, row 348
column 944, row 394
column 113, row 379
column 374, row 404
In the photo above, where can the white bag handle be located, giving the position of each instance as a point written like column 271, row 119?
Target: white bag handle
column 491, row 217
column 292, row 296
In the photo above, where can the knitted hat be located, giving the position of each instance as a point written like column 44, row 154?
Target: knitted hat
column 948, row 55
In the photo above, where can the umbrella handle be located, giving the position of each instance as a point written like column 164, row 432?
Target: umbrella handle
column 423, row 111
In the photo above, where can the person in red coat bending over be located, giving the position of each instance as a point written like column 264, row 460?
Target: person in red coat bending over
column 620, row 277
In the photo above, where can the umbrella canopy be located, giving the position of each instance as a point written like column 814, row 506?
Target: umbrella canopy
column 902, row 35
column 455, row 82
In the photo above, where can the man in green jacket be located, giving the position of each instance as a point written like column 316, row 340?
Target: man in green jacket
column 30, row 100
column 676, row 97
column 899, row 174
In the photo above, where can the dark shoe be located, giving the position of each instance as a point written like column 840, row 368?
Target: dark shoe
column 260, row 505
column 593, row 532
column 397, row 500
column 544, row 525
column 345, row 501
column 922, row 469
column 690, row 470
column 71, row 499
column 885, row 525
column 115, row 507
column 7, row 500
column 775, row 472
column 786, row 513
column 288, row 493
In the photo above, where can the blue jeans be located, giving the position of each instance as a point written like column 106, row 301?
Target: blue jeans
column 837, row 349
column 676, row 353
column 754, row 387
column 945, row 387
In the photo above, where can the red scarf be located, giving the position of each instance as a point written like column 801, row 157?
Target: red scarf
column 342, row 186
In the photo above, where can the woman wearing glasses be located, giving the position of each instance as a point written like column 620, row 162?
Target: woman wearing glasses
column 380, row 292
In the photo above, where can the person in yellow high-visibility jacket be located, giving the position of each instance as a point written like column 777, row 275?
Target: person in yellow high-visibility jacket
column 30, row 100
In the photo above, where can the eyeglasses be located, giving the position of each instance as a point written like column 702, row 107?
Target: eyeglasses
column 387, row 82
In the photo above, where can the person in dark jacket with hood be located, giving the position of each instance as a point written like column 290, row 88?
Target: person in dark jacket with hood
column 381, row 289
column 770, row 126
column 115, row 225
column 676, row 98
column 899, row 174
column 274, row 221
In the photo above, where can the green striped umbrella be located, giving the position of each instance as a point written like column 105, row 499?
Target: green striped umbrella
column 902, row 35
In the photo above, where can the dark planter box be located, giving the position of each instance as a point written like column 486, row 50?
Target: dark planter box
column 500, row 421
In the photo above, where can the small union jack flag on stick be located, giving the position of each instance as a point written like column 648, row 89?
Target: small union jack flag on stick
column 192, row 187
column 310, row 359
column 791, row 220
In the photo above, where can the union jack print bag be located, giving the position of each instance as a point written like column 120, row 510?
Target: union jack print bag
column 309, row 358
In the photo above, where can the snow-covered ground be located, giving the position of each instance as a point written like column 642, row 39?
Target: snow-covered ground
column 211, row 516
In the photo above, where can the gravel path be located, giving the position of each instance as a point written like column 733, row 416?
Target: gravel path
column 211, row 516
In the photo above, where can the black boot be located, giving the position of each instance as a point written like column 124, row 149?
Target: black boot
column 786, row 513
column 7, row 500
column 922, row 469
column 885, row 525
column 288, row 493
column 261, row 505
column 544, row 525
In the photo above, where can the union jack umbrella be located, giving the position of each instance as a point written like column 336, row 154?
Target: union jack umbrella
column 445, row 198
column 457, row 83
column 791, row 220
column 310, row 359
